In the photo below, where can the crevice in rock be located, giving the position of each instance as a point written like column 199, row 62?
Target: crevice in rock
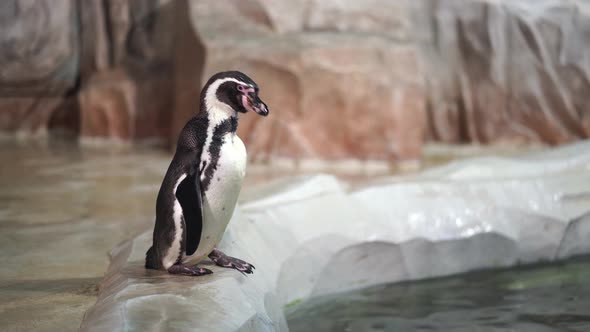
column 108, row 24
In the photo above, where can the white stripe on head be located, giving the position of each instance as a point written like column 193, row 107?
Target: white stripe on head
column 218, row 110
column 174, row 250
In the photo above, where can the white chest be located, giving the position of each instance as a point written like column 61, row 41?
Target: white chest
column 230, row 167
column 219, row 200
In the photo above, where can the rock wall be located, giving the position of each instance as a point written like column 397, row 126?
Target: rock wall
column 96, row 68
column 367, row 79
column 336, row 87
column 508, row 70
column 39, row 56
column 127, row 79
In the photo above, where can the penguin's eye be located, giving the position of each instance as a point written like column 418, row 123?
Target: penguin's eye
column 241, row 88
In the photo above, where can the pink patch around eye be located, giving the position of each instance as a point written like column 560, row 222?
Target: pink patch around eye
column 246, row 104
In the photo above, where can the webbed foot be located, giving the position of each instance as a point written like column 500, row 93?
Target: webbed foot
column 194, row 271
column 224, row 260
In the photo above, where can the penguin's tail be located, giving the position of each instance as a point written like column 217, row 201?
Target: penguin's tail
column 151, row 259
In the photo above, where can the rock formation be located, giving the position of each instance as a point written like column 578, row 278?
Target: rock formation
column 39, row 57
column 364, row 80
column 508, row 70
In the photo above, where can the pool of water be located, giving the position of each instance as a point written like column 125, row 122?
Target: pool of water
column 62, row 208
column 535, row 299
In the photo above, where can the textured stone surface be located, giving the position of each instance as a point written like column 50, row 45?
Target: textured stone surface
column 310, row 237
column 127, row 89
column 344, row 80
column 39, row 54
column 508, row 70
column 27, row 114
column 118, row 105
column 121, row 73
column 189, row 59
column 344, row 87
column 108, row 106
column 575, row 240
column 335, row 90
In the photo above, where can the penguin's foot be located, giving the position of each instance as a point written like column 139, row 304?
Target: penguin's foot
column 224, row 260
column 194, row 271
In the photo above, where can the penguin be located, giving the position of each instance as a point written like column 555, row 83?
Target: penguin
column 200, row 189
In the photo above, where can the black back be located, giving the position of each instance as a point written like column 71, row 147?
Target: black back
column 189, row 194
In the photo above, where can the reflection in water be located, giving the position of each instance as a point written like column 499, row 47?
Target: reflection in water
column 550, row 298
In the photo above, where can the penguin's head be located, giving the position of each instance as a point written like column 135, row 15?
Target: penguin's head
column 234, row 89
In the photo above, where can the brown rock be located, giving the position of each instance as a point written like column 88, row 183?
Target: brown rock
column 107, row 106
column 365, row 79
column 189, row 60
column 508, row 70
column 127, row 74
column 38, row 62
column 27, row 115
column 331, row 95
column 390, row 19
column 135, row 34
column 39, row 53
column 96, row 46
column 119, row 105
column 325, row 105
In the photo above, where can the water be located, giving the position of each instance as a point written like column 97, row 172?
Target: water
column 537, row 299
column 62, row 208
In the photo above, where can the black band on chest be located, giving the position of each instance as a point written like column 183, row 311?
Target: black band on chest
column 227, row 126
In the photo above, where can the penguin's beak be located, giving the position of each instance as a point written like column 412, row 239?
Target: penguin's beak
column 260, row 107
column 252, row 102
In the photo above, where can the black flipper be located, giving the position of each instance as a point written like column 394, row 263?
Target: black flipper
column 188, row 194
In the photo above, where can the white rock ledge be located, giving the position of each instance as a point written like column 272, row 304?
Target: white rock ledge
column 309, row 236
